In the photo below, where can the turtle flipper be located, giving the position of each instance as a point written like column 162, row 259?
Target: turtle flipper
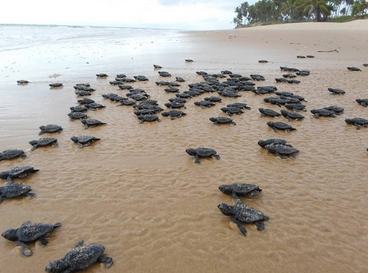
column 240, row 226
column 197, row 159
column 55, row 144
column 217, row 157
column 358, row 127
column 80, row 243
column 236, row 198
column 31, row 195
column 281, row 156
column 43, row 241
column 259, row 225
column 107, row 261
column 80, row 145
column 34, row 147
column 25, row 250
column 9, row 180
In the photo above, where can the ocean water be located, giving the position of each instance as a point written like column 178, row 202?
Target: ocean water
column 138, row 193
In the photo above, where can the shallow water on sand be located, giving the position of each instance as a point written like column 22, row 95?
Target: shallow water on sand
column 139, row 194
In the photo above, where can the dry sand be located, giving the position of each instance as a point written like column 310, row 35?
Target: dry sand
column 141, row 196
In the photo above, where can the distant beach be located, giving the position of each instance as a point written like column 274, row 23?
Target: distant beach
column 137, row 192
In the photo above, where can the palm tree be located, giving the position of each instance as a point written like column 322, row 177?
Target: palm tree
column 319, row 9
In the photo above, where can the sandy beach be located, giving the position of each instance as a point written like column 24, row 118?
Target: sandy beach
column 138, row 193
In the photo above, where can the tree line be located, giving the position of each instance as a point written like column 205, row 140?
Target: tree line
column 298, row 10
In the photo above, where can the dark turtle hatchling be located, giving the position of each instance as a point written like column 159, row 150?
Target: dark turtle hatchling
column 148, row 118
column 78, row 108
column 84, row 140
column 171, row 90
column 17, row 172
column 29, row 232
column 157, row 66
column 80, row 258
column 295, row 106
column 204, row 104
column 202, row 153
column 93, row 106
column 323, row 113
column 164, row 74
column 141, row 78
column 353, row 68
column 213, row 99
column 358, row 122
column 50, row 128
column 85, row 101
column 281, row 150
column 13, row 190
column 77, row 115
column 240, row 189
column 83, row 93
column 180, row 79
column 263, row 143
column 22, row 82
column 173, row 114
column 175, row 105
column 291, row 115
column 232, row 110
column 262, row 61
column 280, row 126
column 101, row 75
column 91, row 122
column 241, row 213
column 363, row 102
column 55, row 85
column 336, row 91
column 42, row 142
column 12, row 154
column 188, row 60
column 268, row 112
column 222, row 120
column 256, row 77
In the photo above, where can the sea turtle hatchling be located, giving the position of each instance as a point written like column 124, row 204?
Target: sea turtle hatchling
column 148, row 118
column 291, row 115
column 241, row 213
column 353, row 68
column 13, row 190
column 358, row 122
column 78, row 108
column 281, row 150
column 222, row 120
column 232, row 110
column 17, row 172
column 80, row 258
column 91, row 122
column 280, row 126
column 204, row 104
column 84, row 140
column 363, row 102
column 42, row 142
column 202, row 153
column 268, row 112
column 336, row 91
column 240, row 189
column 50, row 128
column 56, row 85
column 22, row 82
column 323, row 113
column 29, row 232
column 93, row 106
column 77, row 115
column 263, row 143
column 240, row 105
column 173, row 114
column 12, row 154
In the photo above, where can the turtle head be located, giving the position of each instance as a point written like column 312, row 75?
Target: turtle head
column 74, row 139
column 270, row 123
column 33, row 142
column 57, row 266
column 10, row 234
column 212, row 119
column 225, row 189
column 262, row 143
column 83, row 121
column 4, row 175
column 226, row 209
column 191, row 151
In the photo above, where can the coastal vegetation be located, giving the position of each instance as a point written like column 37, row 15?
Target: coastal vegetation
column 282, row 11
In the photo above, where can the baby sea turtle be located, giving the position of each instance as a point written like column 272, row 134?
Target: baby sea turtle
column 353, row 68
column 93, row 106
column 148, row 118
column 101, row 75
column 241, row 213
column 180, row 79
column 29, row 232
column 240, row 105
column 358, row 122
column 12, row 154
column 141, row 78
column 173, row 114
column 17, row 172
column 213, row 99
column 337, row 110
column 174, row 105
column 91, row 122
column 295, row 106
column 164, row 74
column 85, row 101
column 256, row 77
column 125, row 87
column 240, row 189
column 280, row 126
column 222, row 120
column 13, row 190
column 84, row 140
column 281, row 150
column 22, row 82
column 263, row 143
column 322, row 113
column 78, row 108
column 204, row 104
column 55, row 85
column 336, row 91
column 262, row 61
column 232, row 110
column 156, row 66
column 171, row 90
column 42, row 142
column 77, row 115
column 363, row 102
column 50, row 128
column 83, row 93
column 201, row 153
column 291, row 115
column 268, row 112
column 80, row 258
column 188, row 60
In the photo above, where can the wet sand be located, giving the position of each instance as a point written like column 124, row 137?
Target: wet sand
column 140, row 195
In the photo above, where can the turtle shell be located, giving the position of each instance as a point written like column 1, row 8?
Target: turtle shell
column 17, row 172
column 246, row 214
column 29, row 232
column 50, row 128
column 11, row 154
column 14, row 190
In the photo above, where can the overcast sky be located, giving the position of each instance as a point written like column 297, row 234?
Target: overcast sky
column 168, row 14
